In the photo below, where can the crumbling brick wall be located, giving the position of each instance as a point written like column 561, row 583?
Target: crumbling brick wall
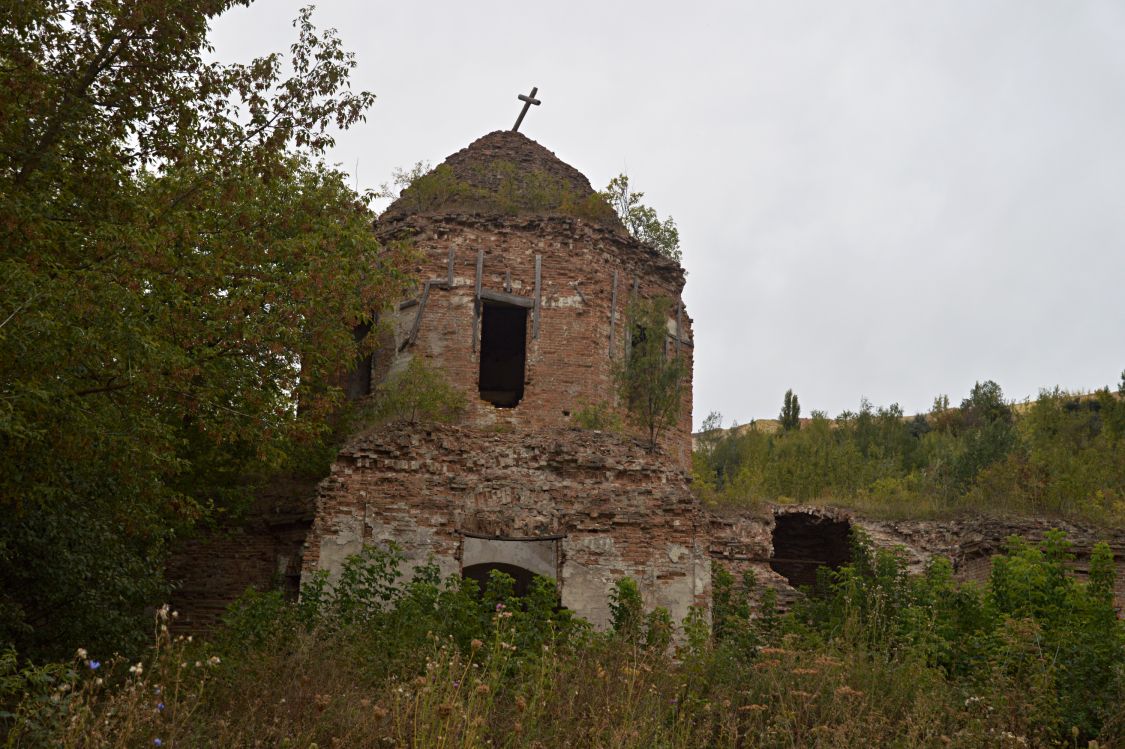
column 615, row 509
column 740, row 539
column 587, row 275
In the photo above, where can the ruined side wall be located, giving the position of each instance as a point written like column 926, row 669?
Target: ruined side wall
column 617, row 510
column 570, row 363
column 971, row 542
column 261, row 550
column 741, row 539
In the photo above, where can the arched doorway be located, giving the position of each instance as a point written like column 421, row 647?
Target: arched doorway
column 803, row 542
column 481, row 573
column 521, row 558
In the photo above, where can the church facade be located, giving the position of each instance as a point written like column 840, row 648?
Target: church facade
column 526, row 278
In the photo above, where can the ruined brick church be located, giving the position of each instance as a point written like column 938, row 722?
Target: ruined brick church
column 525, row 313
column 525, row 279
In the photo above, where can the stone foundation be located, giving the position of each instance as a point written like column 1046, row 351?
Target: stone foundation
column 596, row 503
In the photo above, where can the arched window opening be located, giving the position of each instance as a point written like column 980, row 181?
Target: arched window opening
column 481, row 573
column 804, row 542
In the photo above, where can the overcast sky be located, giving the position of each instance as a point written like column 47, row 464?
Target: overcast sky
column 884, row 199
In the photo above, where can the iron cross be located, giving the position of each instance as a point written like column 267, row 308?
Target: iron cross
column 527, row 102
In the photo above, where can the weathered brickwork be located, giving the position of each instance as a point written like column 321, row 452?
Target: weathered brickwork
column 264, row 551
column 613, row 509
column 742, row 540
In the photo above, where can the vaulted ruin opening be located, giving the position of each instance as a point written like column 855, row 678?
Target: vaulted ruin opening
column 803, row 542
column 522, row 559
column 503, row 354
column 482, row 572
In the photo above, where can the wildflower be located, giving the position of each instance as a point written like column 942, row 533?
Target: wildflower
column 162, row 612
column 483, row 689
column 477, row 644
column 82, row 654
column 160, row 706
column 175, row 614
column 521, row 703
column 157, row 742
column 94, row 665
column 752, row 708
column 499, row 607
column 805, row 671
column 137, row 669
column 420, row 681
column 98, row 681
column 214, row 660
column 846, row 691
column 380, row 712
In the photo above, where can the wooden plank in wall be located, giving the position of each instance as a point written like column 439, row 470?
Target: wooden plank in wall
column 538, row 297
column 679, row 330
column 612, row 313
column 501, row 297
column 476, row 298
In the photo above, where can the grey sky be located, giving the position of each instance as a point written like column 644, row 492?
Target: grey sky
column 890, row 199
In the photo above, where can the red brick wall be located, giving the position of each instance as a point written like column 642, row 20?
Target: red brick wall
column 569, row 365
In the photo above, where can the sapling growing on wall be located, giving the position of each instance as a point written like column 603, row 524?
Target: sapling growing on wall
column 650, row 379
column 419, row 393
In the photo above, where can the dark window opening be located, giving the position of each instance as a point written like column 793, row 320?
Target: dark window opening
column 503, row 354
column 481, row 573
column 358, row 381
column 803, row 543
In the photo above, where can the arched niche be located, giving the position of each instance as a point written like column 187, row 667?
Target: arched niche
column 522, row 558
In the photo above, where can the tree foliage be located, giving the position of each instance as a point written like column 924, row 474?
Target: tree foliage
column 180, row 269
column 642, row 222
column 420, row 392
column 650, row 379
column 1061, row 454
column 790, row 416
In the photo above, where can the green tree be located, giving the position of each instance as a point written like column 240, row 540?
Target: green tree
column 642, row 222
column 790, row 415
column 179, row 269
column 650, row 380
column 420, row 392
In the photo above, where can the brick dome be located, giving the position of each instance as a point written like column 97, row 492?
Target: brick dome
column 503, row 173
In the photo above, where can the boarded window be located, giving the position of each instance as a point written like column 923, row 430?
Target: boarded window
column 503, row 354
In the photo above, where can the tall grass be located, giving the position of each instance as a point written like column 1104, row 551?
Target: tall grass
column 436, row 663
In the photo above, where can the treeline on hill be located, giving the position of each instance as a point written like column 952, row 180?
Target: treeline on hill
column 872, row 657
column 1061, row 455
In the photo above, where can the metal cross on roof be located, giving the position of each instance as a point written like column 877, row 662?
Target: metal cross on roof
column 527, row 102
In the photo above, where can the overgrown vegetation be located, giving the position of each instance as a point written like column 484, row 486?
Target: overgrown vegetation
column 499, row 187
column 1061, row 456
column 650, row 378
column 179, row 269
column 873, row 657
column 640, row 220
column 420, row 392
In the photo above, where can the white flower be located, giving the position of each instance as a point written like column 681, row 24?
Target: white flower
column 138, row 669
column 214, row 660
column 82, row 653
